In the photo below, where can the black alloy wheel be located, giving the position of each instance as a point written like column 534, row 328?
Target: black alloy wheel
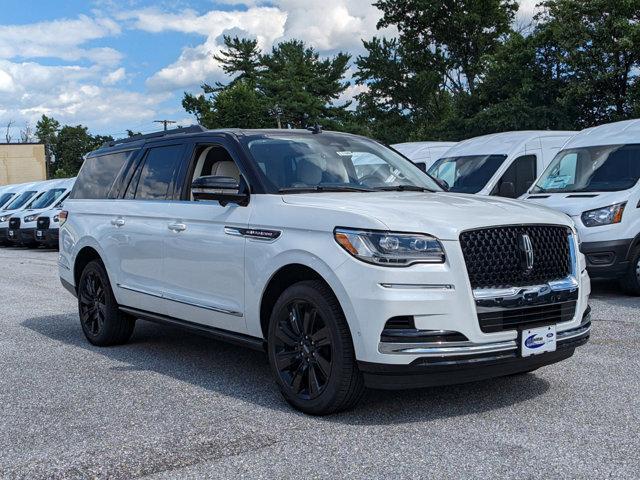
column 92, row 303
column 304, row 350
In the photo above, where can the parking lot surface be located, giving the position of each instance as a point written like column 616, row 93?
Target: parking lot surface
column 174, row 405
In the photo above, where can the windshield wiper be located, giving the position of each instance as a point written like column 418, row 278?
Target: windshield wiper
column 323, row 188
column 404, row 188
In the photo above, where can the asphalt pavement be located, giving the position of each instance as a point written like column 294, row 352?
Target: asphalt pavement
column 172, row 404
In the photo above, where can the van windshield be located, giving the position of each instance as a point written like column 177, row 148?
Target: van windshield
column 4, row 198
column 467, row 174
column 48, row 198
column 21, row 200
column 325, row 162
column 607, row 168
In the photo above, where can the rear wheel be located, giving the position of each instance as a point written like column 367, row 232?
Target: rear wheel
column 102, row 321
column 311, row 352
column 631, row 282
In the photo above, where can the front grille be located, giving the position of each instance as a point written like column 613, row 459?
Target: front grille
column 494, row 257
column 521, row 317
column 14, row 223
column 43, row 223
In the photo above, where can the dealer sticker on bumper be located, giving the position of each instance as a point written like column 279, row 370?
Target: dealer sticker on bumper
column 12, row 234
column 538, row 340
column 39, row 233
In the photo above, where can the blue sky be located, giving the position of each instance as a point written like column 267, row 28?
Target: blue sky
column 120, row 64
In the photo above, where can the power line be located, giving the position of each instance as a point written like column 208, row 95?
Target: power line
column 165, row 122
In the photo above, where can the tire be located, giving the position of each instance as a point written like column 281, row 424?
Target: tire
column 102, row 321
column 631, row 281
column 311, row 352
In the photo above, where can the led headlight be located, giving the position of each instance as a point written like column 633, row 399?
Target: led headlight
column 30, row 218
column 604, row 216
column 56, row 218
column 5, row 218
column 390, row 248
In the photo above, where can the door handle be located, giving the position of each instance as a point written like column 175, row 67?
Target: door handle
column 177, row 227
column 118, row 222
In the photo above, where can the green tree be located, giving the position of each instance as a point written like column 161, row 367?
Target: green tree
column 73, row 143
column 240, row 59
column 597, row 43
column 47, row 133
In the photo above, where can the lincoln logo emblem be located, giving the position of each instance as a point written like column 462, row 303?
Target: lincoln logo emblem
column 526, row 251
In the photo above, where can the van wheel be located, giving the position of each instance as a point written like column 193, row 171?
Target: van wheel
column 102, row 322
column 311, row 352
column 631, row 282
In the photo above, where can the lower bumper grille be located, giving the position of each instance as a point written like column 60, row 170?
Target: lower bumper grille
column 500, row 320
column 14, row 223
column 43, row 223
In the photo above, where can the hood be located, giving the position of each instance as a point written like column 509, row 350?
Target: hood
column 574, row 204
column 444, row 215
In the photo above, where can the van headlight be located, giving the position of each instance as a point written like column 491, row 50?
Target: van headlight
column 392, row 249
column 604, row 216
column 30, row 218
column 5, row 218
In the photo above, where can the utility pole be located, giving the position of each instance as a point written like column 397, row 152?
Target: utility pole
column 165, row 122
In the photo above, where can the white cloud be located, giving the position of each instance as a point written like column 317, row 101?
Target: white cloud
column 60, row 39
column 115, row 77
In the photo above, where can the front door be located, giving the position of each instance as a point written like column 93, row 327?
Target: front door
column 204, row 261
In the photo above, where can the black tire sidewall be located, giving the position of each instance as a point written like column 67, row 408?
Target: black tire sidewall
column 324, row 403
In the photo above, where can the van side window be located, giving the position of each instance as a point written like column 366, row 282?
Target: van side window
column 158, row 172
column 98, row 174
column 213, row 160
column 521, row 173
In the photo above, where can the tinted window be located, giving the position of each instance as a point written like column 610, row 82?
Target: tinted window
column 158, row 172
column 48, row 198
column 5, row 198
column 467, row 174
column 97, row 175
column 521, row 173
column 21, row 200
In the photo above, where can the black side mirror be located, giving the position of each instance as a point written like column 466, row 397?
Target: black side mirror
column 507, row 189
column 222, row 189
column 443, row 184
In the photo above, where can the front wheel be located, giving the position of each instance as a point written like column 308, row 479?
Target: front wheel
column 631, row 282
column 311, row 352
column 100, row 317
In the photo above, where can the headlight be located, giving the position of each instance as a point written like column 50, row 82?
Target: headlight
column 604, row 216
column 56, row 218
column 390, row 248
column 4, row 219
column 30, row 218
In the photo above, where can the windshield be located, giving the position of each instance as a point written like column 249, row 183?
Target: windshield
column 328, row 162
column 4, row 198
column 468, row 174
column 21, row 200
column 592, row 169
column 48, row 198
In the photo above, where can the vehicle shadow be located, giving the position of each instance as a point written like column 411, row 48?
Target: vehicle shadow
column 244, row 374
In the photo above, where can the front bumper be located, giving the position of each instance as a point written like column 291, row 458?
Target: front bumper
column 22, row 236
column 448, row 365
column 4, row 237
column 48, row 237
column 608, row 259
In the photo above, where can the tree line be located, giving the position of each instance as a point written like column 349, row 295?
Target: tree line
column 456, row 69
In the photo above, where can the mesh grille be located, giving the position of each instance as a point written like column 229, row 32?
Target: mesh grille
column 14, row 223
column 511, row 319
column 494, row 257
column 43, row 223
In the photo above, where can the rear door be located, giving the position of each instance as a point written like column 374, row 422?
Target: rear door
column 204, row 250
column 140, row 226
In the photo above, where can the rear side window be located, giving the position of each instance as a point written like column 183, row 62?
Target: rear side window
column 98, row 174
column 158, row 172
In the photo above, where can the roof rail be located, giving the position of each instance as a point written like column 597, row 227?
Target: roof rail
column 162, row 133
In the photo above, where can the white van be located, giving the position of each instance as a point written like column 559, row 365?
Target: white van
column 594, row 179
column 423, row 154
column 22, row 225
column 23, row 196
column 504, row 164
column 9, row 192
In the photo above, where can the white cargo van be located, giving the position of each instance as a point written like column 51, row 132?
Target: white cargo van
column 594, row 179
column 423, row 154
column 504, row 164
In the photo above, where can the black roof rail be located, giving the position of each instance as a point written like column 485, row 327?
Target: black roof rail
column 162, row 133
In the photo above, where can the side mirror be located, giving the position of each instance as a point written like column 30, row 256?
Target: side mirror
column 507, row 189
column 222, row 189
column 443, row 184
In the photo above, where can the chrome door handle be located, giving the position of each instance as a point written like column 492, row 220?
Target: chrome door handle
column 177, row 227
column 118, row 222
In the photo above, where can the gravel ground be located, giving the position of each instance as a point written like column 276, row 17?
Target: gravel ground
column 174, row 405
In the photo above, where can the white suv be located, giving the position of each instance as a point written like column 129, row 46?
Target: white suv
column 348, row 275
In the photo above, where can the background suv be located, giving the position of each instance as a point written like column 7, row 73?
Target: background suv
column 335, row 254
